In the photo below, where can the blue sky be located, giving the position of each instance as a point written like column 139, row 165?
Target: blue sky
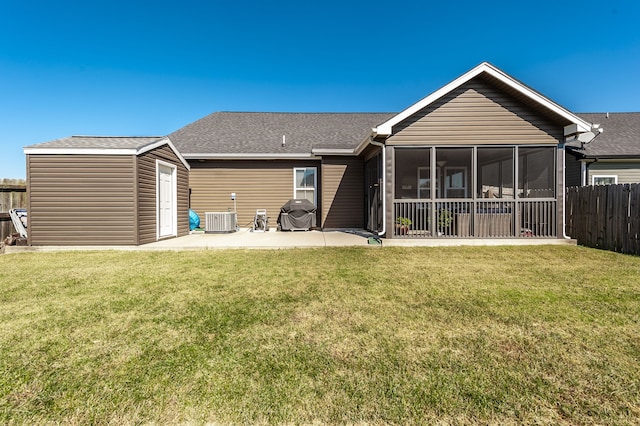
column 148, row 68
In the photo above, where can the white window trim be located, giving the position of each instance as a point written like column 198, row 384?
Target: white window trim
column 422, row 177
column 174, row 202
column 594, row 177
column 315, row 183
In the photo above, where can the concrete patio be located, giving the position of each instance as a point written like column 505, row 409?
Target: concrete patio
column 246, row 239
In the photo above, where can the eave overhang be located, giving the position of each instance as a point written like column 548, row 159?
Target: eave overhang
column 619, row 158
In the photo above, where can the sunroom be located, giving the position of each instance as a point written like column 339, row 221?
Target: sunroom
column 482, row 157
column 475, row 191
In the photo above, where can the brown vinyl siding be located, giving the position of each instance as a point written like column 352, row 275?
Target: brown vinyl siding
column 573, row 170
column 99, row 199
column 257, row 184
column 81, row 200
column 342, row 192
column 627, row 172
column 473, row 114
column 147, row 206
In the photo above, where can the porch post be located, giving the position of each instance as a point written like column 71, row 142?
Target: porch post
column 474, row 189
column 435, row 185
column 516, row 197
column 388, row 190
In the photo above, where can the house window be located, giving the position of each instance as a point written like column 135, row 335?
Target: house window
column 455, row 182
column 424, row 182
column 305, row 182
column 604, row 179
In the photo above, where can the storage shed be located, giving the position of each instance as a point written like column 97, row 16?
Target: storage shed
column 87, row 190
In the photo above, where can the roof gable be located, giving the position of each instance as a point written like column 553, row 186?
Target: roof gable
column 486, row 70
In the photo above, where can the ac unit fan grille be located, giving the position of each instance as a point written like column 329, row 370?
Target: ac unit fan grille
column 220, row 222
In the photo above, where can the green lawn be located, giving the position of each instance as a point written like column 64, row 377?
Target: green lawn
column 499, row 335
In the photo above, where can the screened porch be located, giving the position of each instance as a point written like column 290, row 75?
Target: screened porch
column 475, row 192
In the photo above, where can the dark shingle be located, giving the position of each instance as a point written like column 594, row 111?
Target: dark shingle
column 261, row 132
column 620, row 138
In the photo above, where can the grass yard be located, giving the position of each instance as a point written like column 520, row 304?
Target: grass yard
column 498, row 335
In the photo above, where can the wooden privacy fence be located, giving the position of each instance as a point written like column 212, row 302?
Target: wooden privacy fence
column 605, row 216
column 13, row 195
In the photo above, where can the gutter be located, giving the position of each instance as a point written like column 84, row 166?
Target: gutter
column 333, row 151
column 250, row 156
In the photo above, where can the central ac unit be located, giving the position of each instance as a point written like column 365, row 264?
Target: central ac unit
column 220, row 222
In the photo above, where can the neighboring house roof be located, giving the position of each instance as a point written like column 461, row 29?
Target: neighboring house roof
column 486, row 70
column 261, row 134
column 620, row 137
column 103, row 145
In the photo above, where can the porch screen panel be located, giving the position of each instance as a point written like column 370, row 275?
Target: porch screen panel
column 454, row 172
column 536, row 172
column 412, row 173
column 495, row 173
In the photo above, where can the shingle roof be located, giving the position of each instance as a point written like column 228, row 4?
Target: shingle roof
column 98, row 142
column 262, row 132
column 620, row 138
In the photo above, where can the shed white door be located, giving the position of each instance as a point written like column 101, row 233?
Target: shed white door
column 166, row 201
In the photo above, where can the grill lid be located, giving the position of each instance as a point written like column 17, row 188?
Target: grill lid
column 300, row 205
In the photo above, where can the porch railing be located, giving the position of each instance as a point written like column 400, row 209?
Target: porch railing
column 474, row 218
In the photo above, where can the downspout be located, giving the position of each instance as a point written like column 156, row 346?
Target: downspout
column 384, row 195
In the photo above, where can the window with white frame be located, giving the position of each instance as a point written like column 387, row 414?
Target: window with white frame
column 455, row 182
column 305, row 181
column 604, row 179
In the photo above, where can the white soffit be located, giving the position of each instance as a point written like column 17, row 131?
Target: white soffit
column 386, row 128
